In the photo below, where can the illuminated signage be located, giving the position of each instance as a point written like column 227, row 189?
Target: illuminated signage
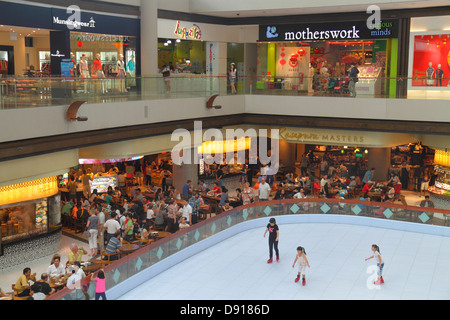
column 328, row 31
column 194, row 32
column 30, row 190
column 299, row 135
column 74, row 24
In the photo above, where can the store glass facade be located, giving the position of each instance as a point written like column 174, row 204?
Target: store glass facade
column 431, row 60
column 316, row 57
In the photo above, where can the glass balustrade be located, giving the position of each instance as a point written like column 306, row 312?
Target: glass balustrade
column 42, row 92
column 149, row 255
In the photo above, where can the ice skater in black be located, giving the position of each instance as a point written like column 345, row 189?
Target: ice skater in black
column 274, row 234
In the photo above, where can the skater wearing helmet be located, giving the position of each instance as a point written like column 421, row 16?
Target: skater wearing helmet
column 380, row 263
column 302, row 264
column 274, row 233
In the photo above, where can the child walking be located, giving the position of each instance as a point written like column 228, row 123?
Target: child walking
column 302, row 264
column 274, row 233
column 380, row 263
column 100, row 286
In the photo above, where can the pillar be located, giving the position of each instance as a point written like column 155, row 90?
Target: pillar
column 59, row 49
column 250, row 66
column 216, row 67
column 287, row 154
column 149, row 37
column 380, row 159
column 184, row 172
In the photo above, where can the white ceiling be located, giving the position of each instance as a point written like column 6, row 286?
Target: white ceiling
column 270, row 8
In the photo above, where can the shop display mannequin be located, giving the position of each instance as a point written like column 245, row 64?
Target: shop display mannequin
column 131, row 68
column 430, row 73
column 98, row 68
column 439, row 75
column 121, row 73
column 310, row 79
column 72, row 57
column 84, row 71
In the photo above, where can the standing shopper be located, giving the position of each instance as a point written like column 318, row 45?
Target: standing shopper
column 92, row 228
column 264, row 190
column 353, row 75
column 274, row 234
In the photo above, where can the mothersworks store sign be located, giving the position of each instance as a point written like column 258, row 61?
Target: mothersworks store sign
column 352, row 30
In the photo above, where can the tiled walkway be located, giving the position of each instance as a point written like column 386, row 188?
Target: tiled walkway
column 416, row 267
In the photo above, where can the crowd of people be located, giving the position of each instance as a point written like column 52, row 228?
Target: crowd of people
column 116, row 216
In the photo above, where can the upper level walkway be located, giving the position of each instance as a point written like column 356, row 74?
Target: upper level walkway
column 42, row 92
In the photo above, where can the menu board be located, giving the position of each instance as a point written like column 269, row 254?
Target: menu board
column 101, row 183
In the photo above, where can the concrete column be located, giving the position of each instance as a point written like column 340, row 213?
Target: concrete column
column 380, row 159
column 250, row 66
column 149, row 37
column 184, row 172
column 287, row 154
column 216, row 66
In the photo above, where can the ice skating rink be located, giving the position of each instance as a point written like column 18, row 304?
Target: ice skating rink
column 416, row 267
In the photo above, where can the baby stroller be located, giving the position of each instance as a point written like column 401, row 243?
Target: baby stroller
column 341, row 86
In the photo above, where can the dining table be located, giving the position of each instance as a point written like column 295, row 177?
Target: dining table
column 91, row 267
column 156, row 235
column 58, row 283
column 128, row 248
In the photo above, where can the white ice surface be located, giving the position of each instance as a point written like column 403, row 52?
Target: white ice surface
column 416, row 267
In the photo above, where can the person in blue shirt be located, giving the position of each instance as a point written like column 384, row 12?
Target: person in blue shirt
column 187, row 189
column 368, row 176
column 195, row 203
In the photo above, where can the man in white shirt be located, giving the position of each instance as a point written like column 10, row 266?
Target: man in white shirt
column 300, row 194
column 323, row 182
column 56, row 269
column 264, row 190
column 74, row 280
column 150, row 213
column 186, row 211
column 111, row 226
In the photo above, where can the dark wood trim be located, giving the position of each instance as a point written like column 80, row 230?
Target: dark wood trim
column 32, row 147
column 403, row 56
column 307, row 18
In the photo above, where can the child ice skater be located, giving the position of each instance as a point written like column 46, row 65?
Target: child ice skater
column 274, row 234
column 380, row 263
column 302, row 264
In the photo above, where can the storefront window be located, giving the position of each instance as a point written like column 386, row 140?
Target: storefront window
column 23, row 220
column 183, row 56
column 107, row 48
column 26, row 208
column 321, row 66
column 431, row 61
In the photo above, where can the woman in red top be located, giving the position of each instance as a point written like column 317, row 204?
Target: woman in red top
column 216, row 189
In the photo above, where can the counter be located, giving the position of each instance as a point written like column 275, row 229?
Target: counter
column 32, row 248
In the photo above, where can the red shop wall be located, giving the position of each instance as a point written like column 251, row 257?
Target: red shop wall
column 434, row 49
